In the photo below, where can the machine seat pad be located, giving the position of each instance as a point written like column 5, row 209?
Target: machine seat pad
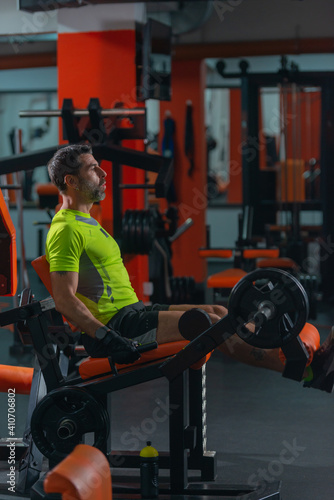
column 226, row 279
column 256, row 253
column 16, row 377
column 91, row 367
column 73, row 476
column 221, row 253
column 281, row 263
column 311, row 340
column 42, row 268
column 47, row 189
column 8, row 260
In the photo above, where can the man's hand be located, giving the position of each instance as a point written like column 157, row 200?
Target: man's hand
column 120, row 349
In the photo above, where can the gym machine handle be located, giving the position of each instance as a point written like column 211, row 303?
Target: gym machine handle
column 180, row 230
column 80, row 351
column 147, row 347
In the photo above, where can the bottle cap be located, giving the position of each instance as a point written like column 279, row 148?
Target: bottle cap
column 149, row 451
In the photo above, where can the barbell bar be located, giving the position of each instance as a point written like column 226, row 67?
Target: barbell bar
column 57, row 113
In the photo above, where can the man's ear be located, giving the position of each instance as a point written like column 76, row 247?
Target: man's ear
column 70, row 181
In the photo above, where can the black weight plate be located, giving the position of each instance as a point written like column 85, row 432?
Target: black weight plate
column 143, row 242
column 147, row 240
column 63, row 417
column 132, row 231
column 183, row 289
column 172, row 282
column 125, row 228
column 190, row 289
column 153, row 221
column 138, row 232
column 271, row 290
column 177, row 294
column 148, row 230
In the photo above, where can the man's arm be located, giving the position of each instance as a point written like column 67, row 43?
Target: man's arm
column 64, row 286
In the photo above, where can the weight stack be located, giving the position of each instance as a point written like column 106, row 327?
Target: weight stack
column 138, row 231
column 183, row 289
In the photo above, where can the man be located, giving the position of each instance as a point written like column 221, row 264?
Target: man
column 90, row 284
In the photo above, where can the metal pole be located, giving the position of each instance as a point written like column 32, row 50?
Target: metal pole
column 51, row 113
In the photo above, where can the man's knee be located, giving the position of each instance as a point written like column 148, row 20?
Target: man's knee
column 216, row 310
column 221, row 311
column 214, row 317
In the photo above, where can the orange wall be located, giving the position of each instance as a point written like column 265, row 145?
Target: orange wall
column 102, row 65
column 188, row 84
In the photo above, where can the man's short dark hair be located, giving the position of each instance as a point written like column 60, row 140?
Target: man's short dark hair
column 66, row 161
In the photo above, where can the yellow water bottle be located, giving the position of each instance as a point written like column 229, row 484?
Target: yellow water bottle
column 149, row 472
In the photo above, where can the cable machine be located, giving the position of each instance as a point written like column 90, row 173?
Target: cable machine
column 257, row 191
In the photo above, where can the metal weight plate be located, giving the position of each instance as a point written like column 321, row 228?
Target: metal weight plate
column 63, row 417
column 137, row 231
column 152, row 225
column 172, row 288
column 183, row 289
column 132, row 231
column 146, row 246
column 176, row 290
column 143, row 243
column 273, row 302
column 148, row 230
column 125, row 228
column 190, row 289
column 144, row 228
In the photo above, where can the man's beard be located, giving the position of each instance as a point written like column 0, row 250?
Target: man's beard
column 93, row 192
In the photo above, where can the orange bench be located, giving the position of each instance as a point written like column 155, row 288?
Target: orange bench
column 82, row 475
column 8, row 260
column 223, row 281
column 280, row 263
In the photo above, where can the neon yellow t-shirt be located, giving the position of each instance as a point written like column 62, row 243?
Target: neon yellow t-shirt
column 76, row 242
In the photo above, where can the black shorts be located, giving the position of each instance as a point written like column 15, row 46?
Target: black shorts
column 136, row 321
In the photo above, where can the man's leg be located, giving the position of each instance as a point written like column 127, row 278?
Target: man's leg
column 239, row 350
column 220, row 311
column 168, row 324
column 234, row 347
column 321, row 371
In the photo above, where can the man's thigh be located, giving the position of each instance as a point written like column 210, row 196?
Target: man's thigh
column 168, row 329
column 216, row 309
column 138, row 322
column 168, row 326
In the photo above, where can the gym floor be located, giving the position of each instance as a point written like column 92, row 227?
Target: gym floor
column 263, row 427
